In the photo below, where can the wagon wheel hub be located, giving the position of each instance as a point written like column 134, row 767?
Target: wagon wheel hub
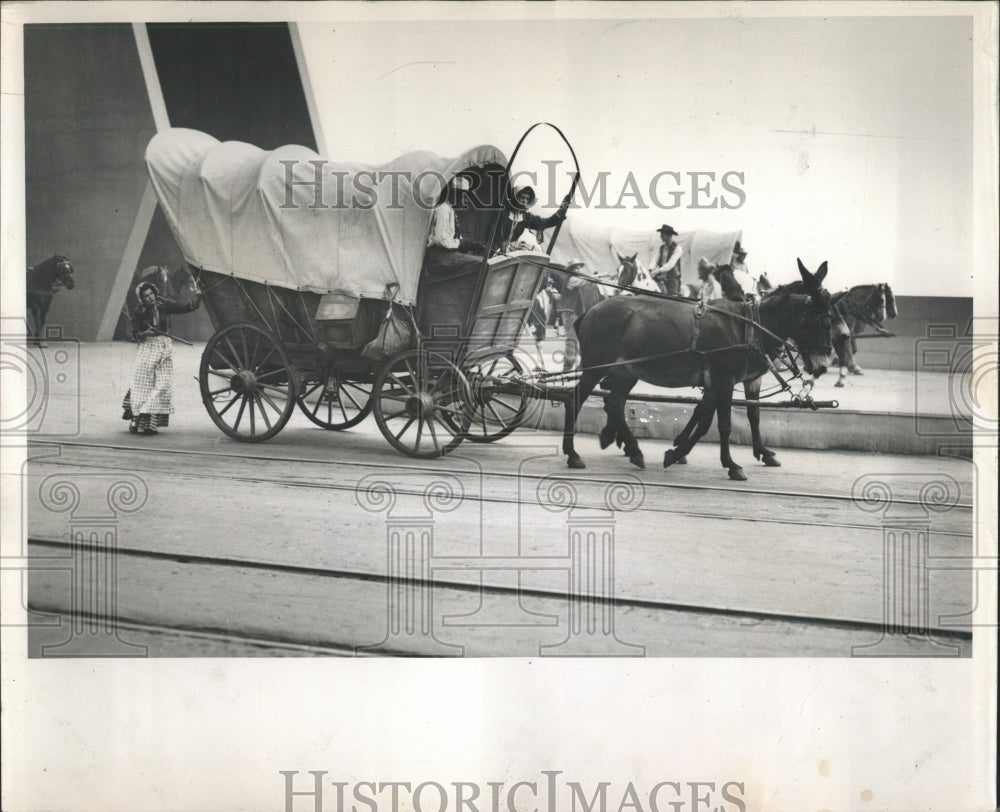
column 244, row 382
column 419, row 405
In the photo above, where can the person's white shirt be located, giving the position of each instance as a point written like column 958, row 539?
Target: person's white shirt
column 744, row 278
column 443, row 227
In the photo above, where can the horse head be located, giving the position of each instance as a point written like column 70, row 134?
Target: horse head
column 63, row 272
column 731, row 289
column 812, row 329
column 890, row 301
column 628, row 268
column 182, row 280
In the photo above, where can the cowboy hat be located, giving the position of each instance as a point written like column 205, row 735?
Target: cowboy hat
column 667, row 229
column 738, row 250
column 575, row 263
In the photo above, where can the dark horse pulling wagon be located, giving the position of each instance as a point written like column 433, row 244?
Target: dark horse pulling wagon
column 315, row 278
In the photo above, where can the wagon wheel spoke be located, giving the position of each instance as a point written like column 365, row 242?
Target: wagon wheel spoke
column 504, row 403
column 262, row 396
column 409, row 423
column 239, row 414
column 252, row 355
column 309, row 391
column 270, row 374
column 215, row 392
column 347, row 392
column 402, row 385
column 430, row 426
column 246, row 350
column 257, row 364
column 495, row 414
column 420, row 434
column 218, row 353
column 263, row 411
column 239, row 361
column 229, row 405
column 455, row 410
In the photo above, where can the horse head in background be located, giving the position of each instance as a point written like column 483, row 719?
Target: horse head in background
column 628, row 269
column 632, row 274
column 764, row 285
column 176, row 284
column 41, row 284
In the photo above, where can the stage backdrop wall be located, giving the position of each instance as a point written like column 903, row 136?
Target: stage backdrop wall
column 88, row 118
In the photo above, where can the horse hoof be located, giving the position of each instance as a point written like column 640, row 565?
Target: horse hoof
column 681, row 460
column 607, row 436
column 670, row 457
column 857, row 371
column 737, row 474
column 575, row 462
column 839, row 384
column 637, row 460
column 771, row 461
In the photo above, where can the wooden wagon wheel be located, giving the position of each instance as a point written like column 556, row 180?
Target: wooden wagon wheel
column 334, row 403
column 493, row 414
column 420, row 402
column 247, row 382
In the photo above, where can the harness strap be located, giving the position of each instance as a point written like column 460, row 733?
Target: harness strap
column 699, row 312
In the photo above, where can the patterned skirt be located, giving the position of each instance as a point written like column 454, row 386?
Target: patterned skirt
column 151, row 392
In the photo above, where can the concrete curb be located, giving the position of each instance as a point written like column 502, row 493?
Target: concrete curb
column 826, row 429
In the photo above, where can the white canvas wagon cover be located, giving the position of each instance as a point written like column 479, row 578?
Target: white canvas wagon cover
column 599, row 246
column 291, row 218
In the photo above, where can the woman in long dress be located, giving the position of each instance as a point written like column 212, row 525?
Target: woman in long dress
column 149, row 401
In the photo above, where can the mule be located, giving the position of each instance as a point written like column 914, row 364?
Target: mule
column 674, row 344
column 42, row 282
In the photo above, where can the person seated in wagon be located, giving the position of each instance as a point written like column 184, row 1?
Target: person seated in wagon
column 518, row 222
column 741, row 273
column 447, row 249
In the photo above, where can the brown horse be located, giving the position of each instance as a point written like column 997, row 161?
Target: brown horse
column 673, row 344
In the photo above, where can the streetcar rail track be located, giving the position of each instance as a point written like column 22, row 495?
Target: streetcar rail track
column 582, row 504
column 847, row 624
column 441, row 469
